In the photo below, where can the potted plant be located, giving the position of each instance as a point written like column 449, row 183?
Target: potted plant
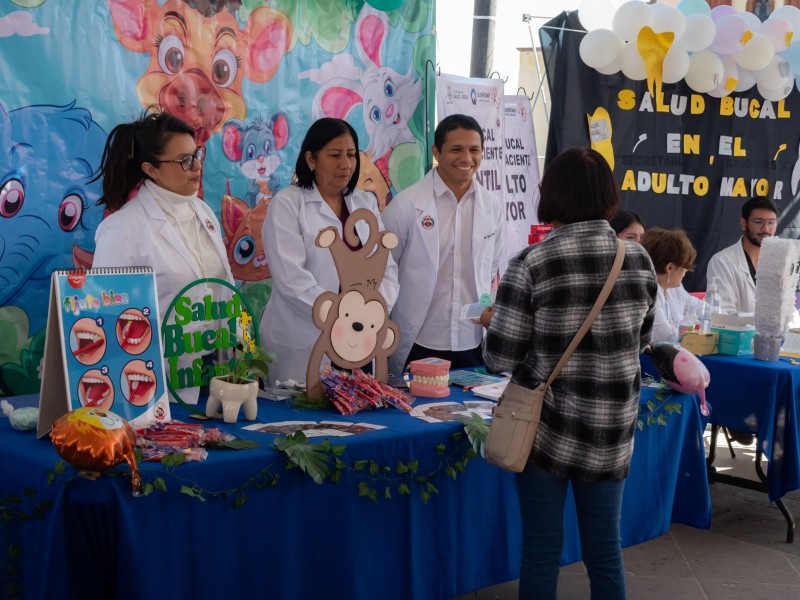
column 239, row 387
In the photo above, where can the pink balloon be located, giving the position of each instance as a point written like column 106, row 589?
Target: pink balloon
column 732, row 33
column 682, row 371
column 721, row 11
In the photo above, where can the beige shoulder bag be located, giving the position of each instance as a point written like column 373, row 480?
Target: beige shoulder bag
column 515, row 419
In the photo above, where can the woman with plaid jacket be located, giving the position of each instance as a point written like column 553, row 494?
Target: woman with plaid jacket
column 585, row 436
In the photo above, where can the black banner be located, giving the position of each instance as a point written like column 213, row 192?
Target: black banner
column 681, row 159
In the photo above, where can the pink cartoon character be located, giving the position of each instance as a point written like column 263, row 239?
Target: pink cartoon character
column 388, row 99
column 681, row 370
column 199, row 56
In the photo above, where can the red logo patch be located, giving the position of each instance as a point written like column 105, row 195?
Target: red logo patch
column 76, row 280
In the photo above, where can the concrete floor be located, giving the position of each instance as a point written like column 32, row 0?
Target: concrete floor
column 744, row 555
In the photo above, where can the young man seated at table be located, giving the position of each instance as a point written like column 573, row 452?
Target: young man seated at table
column 735, row 266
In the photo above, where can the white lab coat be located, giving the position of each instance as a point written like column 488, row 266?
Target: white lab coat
column 301, row 271
column 139, row 234
column 736, row 288
column 671, row 305
column 417, row 254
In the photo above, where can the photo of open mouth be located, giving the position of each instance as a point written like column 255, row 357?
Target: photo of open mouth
column 95, row 390
column 133, row 331
column 87, row 341
column 139, row 381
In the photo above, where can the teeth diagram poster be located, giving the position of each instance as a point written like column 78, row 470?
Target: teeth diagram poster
column 103, row 349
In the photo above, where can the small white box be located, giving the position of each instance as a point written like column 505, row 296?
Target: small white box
column 734, row 321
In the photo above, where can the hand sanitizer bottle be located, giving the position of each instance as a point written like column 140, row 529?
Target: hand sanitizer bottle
column 712, row 303
column 716, row 300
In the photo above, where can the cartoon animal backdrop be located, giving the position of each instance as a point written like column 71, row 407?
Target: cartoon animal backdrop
column 249, row 75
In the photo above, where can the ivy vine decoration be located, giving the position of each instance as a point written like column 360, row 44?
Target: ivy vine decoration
column 657, row 410
column 21, row 508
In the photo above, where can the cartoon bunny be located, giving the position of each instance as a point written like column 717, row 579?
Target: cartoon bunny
column 388, row 98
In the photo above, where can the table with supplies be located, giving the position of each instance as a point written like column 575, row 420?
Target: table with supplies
column 760, row 397
column 67, row 536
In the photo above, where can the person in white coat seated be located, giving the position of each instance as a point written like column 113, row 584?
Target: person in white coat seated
column 151, row 170
column 327, row 171
column 735, row 267
column 673, row 256
column 451, row 246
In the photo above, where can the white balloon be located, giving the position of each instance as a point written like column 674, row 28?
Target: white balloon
column 699, row 33
column 669, row 19
column 756, row 54
column 610, row 68
column 747, row 79
column 599, row 47
column 596, row 14
column 705, row 71
column 632, row 63
column 676, row 64
column 732, row 35
column 776, row 75
column 778, row 31
column 630, row 18
column 729, row 79
column 790, row 13
column 752, row 21
column 775, row 94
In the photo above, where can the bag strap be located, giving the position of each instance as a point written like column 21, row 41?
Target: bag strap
column 598, row 305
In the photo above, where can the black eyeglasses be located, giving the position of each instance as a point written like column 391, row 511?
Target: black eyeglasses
column 187, row 160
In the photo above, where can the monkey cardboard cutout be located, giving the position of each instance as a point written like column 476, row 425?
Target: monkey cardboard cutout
column 355, row 322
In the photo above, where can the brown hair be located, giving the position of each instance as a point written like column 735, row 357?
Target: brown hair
column 578, row 185
column 669, row 246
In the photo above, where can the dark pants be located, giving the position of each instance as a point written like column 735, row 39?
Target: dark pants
column 459, row 359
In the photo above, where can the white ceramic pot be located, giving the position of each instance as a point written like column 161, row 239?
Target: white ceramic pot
column 231, row 397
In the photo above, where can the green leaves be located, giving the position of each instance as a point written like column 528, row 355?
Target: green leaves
column 477, row 429
column 237, row 444
column 656, row 411
column 313, row 459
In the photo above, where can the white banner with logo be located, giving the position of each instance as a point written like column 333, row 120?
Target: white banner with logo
column 521, row 190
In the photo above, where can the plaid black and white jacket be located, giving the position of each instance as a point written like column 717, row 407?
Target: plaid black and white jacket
column 589, row 416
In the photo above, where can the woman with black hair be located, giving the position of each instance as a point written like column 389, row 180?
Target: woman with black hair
column 327, row 170
column 151, row 170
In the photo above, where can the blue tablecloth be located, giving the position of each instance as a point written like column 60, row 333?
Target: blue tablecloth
column 761, row 397
column 298, row 540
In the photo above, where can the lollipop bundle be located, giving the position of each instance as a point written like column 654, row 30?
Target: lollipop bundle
column 163, row 439
column 357, row 391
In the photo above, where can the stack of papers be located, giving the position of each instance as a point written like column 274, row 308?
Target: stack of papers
column 493, row 391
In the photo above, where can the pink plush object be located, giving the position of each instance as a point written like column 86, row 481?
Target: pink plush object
column 430, row 378
column 682, row 371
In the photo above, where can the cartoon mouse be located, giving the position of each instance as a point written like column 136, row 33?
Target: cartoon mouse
column 199, row 56
column 387, row 98
column 255, row 147
column 355, row 324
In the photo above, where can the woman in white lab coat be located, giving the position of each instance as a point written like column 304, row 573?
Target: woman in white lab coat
column 151, row 171
column 673, row 256
column 327, row 170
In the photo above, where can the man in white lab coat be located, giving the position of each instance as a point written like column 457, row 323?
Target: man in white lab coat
column 451, row 246
column 735, row 266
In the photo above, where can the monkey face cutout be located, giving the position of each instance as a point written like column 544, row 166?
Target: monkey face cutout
column 354, row 335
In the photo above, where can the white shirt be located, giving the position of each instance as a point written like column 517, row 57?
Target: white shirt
column 413, row 215
column 443, row 328
column 671, row 306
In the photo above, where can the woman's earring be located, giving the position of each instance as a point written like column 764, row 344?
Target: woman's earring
column 311, row 168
